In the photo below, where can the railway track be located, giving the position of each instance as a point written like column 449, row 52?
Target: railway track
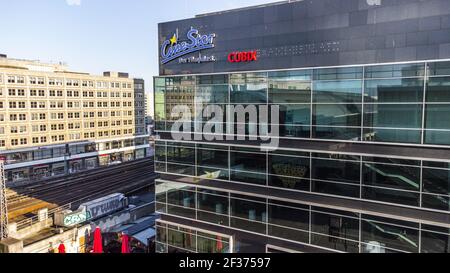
column 80, row 189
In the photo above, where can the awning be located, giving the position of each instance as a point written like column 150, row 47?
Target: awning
column 143, row 236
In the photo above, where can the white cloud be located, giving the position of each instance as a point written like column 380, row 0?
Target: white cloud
column 73, row 2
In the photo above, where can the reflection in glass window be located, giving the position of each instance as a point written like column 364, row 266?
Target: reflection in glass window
column 439, row 68
column 212, row 208
column 394, row 90
column 335, row 232
column 395, row 71
column 295, row 114
column 343, row 73
column 393, row 116
column 435, row 241
column 347, row 115
column 391, row 176
column 436, row 181
column 438, row 89
column 336, row 170
column 290, row 86
column 249, row 93
column 337, row 91
column 392, row 196
column 379, row 236
column 248, row 215
column 339, row 133
column 438, row 116
column 212, row 94
column 392, row 135
column 438, row 202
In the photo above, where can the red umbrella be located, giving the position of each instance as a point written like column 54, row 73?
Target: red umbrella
column 219, row 245
column 125, row 244
column 62, row 248
column 98, row 242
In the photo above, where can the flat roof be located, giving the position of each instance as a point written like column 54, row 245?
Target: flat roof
column 248, row 8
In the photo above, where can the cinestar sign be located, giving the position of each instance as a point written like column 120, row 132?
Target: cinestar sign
column 174, row 48
column 243, row 57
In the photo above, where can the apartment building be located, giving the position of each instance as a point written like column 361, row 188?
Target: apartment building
column 44, row 107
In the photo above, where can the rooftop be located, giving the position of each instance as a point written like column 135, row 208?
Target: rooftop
column 248, row 8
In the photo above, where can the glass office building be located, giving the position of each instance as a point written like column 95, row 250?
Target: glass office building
column 363, row 163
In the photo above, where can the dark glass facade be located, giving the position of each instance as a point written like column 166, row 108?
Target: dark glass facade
column 364, row 159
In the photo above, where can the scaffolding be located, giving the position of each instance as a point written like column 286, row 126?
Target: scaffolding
column 3, row 204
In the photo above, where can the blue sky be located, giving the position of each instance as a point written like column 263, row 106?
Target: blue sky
column 97, row 35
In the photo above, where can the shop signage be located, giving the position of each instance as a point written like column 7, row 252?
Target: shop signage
column 243, row 57
column 195, row 42
column 104, row 206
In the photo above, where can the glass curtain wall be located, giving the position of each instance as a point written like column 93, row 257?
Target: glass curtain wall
column 333, row 229
column 414, row 183
column 401, row 103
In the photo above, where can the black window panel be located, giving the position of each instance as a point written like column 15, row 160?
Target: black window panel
column 249, row 162
column 289, row 217
column 344, row 91
column 389, row 236
column 393, row 115
column 181, row 155
column 392, row 161
column 347, row 115
column 437, row 202
column 336, row 170
column 181, row 169
column 295, row 131
column 391, row 196
column 390, row 221
column 395, row 71
column 338, row 133
column 160, row 153
column 336, row 189
column 182, row 240
column 181, row 198
column 248, row 210
column 213, row 173
column 337, row 156
column 392, row 135
column 394, row 90
column 434, row 164
column 436, row 181
column 212, row 158
column 391, row 176
column 435, row 242
column 215, row 205
column 289, row 183
column 290, row 152
column 335, row 231
column 289, row 166
column 251, row 178
column 290, row 234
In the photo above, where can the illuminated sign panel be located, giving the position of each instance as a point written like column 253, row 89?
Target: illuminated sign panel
column 243, row 57
column 174, row 48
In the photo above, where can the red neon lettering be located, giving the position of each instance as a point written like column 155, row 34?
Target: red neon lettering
column 238, row 57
